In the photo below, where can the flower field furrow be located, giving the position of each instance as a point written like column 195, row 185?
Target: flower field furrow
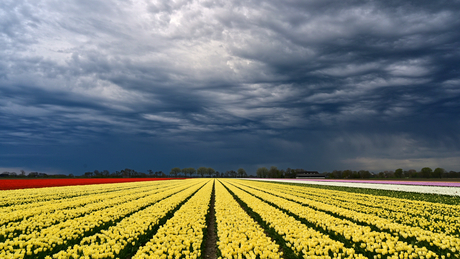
column 382, row 242
column 437, row 222
column 404, row 189
column 34, row 197
column 303, row 240
column 59, row 194
column 15, row 184
column 239, row 235
column 428, row 210
column 413, row 207
column 437, row 241
column 116, row 240
column 23, row 211
column 182, row 235
column 57, row 236
column 433, row 222
column 193, row 218
column 62, row 211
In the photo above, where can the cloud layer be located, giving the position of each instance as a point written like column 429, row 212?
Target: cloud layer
column 321, row 85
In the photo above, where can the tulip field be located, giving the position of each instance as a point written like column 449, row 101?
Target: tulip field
column 11, row 184
column 233, row 218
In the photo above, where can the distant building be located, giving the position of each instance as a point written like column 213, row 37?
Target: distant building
column 310, row 174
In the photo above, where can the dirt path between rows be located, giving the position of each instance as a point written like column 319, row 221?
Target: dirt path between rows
column 211, row 240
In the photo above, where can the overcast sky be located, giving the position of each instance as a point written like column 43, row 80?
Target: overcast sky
column 319, row 85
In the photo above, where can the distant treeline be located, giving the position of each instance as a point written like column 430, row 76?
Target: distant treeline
column 130, row 173
column 425, row 172
column 125, row 173
column 261, row 172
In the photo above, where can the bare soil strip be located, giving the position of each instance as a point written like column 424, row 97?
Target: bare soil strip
column 210, row 251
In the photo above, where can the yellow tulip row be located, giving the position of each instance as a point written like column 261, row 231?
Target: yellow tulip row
column 437, row 211
column 441, row 240
column 303, row 240
column 239, row 235
column 324, row 223
column 110, row 242
column 51, row 214
column 385, row 242
column 59, row 234
column 23, row 211
column 62, row 205
column 34, row 196
column 414, row 213
column 435, row 222
column 182, row 235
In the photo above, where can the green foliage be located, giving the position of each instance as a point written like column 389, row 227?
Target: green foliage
column 426, row 172
column 274, row 172
column 210, row 171
column 438, row 172
column 262, row 172
column 189, row 170
column 175, row 171
column 202, row 171
column 242, row 173
column 398, row 173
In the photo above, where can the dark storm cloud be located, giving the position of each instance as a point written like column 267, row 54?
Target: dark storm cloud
column 314, row 84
